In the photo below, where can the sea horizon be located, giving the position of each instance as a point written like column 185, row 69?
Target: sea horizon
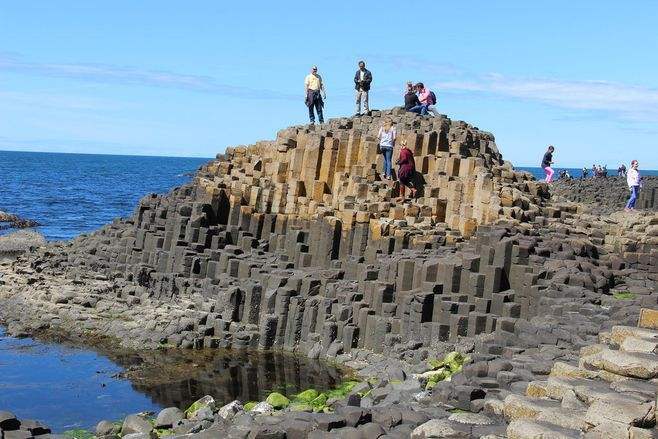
column 612, row 171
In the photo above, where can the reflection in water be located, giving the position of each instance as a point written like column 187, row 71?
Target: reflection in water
column 67, row 387
column 180, row 378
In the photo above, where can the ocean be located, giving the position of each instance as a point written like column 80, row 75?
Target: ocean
column 70, row 194
column 576, row 173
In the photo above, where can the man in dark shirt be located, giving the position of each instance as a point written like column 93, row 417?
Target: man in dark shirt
column 362, row 80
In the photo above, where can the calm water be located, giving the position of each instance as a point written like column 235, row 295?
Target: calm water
column 71, row 194
column 67, row 387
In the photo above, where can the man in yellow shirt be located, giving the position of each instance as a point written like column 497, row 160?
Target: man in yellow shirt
column 314, row 94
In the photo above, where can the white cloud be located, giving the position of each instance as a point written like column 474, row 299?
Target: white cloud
column 630, row 102
column 105, row 73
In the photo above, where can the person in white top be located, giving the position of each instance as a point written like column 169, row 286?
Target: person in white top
column 387, row 135
column 634, row 184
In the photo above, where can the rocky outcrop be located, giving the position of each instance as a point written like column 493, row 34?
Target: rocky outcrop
column 12, row 427
column 11, row 221
column 297, row 244
column 606, row 195
column 19, row 242
column 609, row 393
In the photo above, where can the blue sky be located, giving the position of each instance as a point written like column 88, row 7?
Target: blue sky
column 189, row 79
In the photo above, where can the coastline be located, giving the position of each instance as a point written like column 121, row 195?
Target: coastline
column 539, row 288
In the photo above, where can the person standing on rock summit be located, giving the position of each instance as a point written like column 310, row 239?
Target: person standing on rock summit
column 362, row 80
column 546, row 163
column 634, row 184
column 315, row 94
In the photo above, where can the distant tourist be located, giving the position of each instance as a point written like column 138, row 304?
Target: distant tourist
column 621, row 170
column 546, row 163
column 411, row 102
column 634, row 184
column 315, row 94
column 594, row 171
column 406, row 171
column 564, row 175
column 387, row 135
column 604, row 171
column 425, row 96
column 362, row 80
column 585, row 172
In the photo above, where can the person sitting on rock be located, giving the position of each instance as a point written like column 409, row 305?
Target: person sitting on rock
column 427, row 98
column 546, row 163
column 315, row 94
column 634, row 184
column 387, row 135
column 406, row 172
column 411, row 102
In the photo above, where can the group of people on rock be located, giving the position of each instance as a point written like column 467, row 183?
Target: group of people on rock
column 418, row 98
column 633, row 178
column 315, row 92
column 406, row 174
column 598, row 171
column 421, row 100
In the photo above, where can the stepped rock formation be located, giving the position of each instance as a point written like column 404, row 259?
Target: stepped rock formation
column 297, row 244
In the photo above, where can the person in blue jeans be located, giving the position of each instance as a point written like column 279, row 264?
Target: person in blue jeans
column 411, row 102
column 634, row 183
column 387, row 135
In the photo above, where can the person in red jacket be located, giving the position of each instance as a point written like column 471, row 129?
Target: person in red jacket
column 406, row 171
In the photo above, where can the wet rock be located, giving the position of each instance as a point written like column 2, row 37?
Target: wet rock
column 277, row 401
column 168, row 417
column 229, row 410
column 107, row 429
column 262, row 408
column 34, row 427
column 200, row 408
column 8, row 421
column 135, row 424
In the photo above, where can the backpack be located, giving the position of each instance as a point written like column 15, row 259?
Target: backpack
column 433, row 97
